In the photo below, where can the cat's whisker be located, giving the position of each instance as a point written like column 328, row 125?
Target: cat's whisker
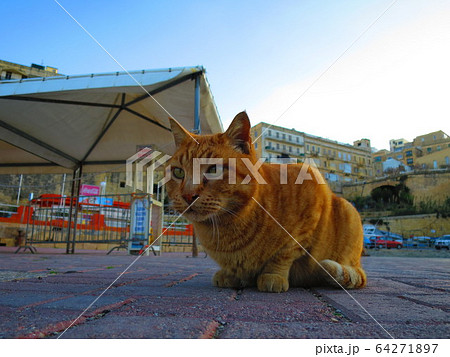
column 216, row 224
column 232, row 213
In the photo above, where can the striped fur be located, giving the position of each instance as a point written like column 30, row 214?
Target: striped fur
column 250, row 247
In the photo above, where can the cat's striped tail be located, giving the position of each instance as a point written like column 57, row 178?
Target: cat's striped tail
column 347, row 276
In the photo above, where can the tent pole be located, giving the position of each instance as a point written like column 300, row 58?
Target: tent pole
column 197, row 128
column 72, row 193
column 77, row 199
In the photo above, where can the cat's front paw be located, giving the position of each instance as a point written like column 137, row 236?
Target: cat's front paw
column 272, row 283
column 224, row 279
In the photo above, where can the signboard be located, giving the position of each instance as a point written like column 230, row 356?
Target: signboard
column 140, row 223
column 101, row 201
column 89, row 190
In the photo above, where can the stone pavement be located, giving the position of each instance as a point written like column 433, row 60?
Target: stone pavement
column 171, row 296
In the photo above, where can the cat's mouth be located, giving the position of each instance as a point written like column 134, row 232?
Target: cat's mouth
column 197, row 214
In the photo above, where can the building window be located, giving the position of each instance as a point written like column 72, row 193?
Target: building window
column 377, row 158
column 409, row 153
column 438, row 148
column 8, row 75
column 434, row 137
column 447, row 160
column 284, row 147
column 435, row 164
column 256, row 133
column 256, row 145
column 290, row 138
column 340, row 155
column 298, row 150
column 278, row 145
column 409, row 161
column 399, row 157
column 318, row 150
column 290, row 148
column 313, row 149
column 270, row 132
column 277, row 134
column 429, row 149
column 307, row 148
column 349, row 157
column 298, row 139
column 284, row 136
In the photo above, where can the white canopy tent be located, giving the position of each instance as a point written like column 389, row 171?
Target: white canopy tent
column 92, row 121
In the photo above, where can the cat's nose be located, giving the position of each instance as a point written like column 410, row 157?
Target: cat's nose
column 189, row 197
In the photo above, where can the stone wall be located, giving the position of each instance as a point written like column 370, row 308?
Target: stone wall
column 415, row 225
column 432, row 185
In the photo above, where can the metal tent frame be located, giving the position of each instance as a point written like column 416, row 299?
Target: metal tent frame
column 73, row 122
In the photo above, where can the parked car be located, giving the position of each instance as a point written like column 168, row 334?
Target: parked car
column 384, row 243
column 442, row 242
column 419, row 242
column 392, row 236
column 372, row 235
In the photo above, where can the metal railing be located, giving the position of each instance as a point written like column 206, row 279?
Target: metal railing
column 80, row 219
column 178, row 236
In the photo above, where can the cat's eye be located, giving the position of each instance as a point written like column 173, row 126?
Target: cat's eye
column 212, row 169
column 178, row 173
column 216, row 170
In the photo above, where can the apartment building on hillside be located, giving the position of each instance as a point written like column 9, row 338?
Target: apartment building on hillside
column 432, row 142
column 406, row 156
column 338, row 162
column 429, row 151
column 398, row 144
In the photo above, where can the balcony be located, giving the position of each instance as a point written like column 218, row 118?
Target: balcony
column 293, row 141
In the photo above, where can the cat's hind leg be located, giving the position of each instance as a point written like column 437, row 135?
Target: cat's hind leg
column 345, row 276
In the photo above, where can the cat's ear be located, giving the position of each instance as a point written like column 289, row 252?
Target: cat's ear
column 239, row 132
column 179, row 133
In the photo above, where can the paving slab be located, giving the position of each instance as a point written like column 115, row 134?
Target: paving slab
column 171, row 296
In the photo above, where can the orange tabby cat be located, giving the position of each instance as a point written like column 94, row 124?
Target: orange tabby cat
column 233, row 217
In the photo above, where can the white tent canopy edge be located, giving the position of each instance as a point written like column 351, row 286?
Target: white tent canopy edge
column 60, row 124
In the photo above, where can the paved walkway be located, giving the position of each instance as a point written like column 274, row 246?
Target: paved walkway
column 172, row 297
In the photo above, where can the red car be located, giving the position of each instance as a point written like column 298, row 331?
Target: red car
column 383, row 243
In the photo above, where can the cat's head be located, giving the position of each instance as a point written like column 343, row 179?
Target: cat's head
column 220, row 192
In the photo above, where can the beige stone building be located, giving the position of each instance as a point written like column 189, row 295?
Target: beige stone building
column 432, row 142
column 397, row 144
column 407, row 155
column 439, row 159
column 338, row 162
column 415, row 154
column 9, row 70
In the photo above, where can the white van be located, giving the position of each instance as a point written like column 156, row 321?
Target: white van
column 442, row 242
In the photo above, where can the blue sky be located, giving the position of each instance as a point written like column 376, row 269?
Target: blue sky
column 261, row 55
